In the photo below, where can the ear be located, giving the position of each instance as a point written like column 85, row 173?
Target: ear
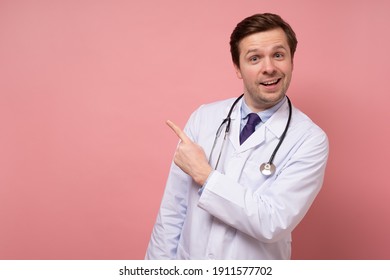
column 238, row 71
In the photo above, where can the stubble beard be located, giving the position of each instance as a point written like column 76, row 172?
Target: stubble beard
column 261, row 100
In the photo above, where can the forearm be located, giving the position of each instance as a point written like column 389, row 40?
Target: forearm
column 265, row 216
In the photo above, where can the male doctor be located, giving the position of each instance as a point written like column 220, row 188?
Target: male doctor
column 230, row 209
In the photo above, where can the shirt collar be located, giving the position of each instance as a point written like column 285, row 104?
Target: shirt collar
column 264, row 115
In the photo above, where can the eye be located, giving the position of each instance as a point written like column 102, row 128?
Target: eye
column 279, row 55
column 254, row 59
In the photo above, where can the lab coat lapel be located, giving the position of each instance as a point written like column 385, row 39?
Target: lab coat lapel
column 257, row 138
column 275, row 125
column 235, row 126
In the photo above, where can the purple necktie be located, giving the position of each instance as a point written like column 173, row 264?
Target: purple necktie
column 249, row 128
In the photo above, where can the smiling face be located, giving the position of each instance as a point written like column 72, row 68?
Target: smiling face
column 265, row 68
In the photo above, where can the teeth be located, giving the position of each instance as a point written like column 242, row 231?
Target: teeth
column 269, row 82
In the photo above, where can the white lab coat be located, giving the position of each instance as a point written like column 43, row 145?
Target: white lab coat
column 239, row 213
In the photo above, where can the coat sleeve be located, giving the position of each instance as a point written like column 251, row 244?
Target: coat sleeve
column 270, row 213
column 167, row 229
column 170, row 219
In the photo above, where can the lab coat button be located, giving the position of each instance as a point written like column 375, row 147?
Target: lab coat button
column 211, row 257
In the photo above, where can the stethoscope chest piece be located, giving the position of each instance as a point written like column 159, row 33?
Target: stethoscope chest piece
column 267, row 169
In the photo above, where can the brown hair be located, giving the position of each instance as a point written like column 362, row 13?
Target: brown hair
column 260, row 23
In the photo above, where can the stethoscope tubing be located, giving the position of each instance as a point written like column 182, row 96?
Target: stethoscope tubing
column 269, row 167
column 271, row 160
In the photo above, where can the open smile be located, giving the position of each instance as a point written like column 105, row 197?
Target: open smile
column 270, row 82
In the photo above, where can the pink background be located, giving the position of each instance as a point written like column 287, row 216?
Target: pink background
column 85, row 89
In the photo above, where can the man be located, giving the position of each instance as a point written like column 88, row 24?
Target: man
column 218, row 202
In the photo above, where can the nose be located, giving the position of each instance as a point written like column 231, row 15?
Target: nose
column 268, row 66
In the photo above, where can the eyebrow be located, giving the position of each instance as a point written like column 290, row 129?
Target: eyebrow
column 274, row 48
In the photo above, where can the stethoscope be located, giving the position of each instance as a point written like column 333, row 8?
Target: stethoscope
column 267, row 168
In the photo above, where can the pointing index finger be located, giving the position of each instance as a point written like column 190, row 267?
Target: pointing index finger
column 180, row 133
